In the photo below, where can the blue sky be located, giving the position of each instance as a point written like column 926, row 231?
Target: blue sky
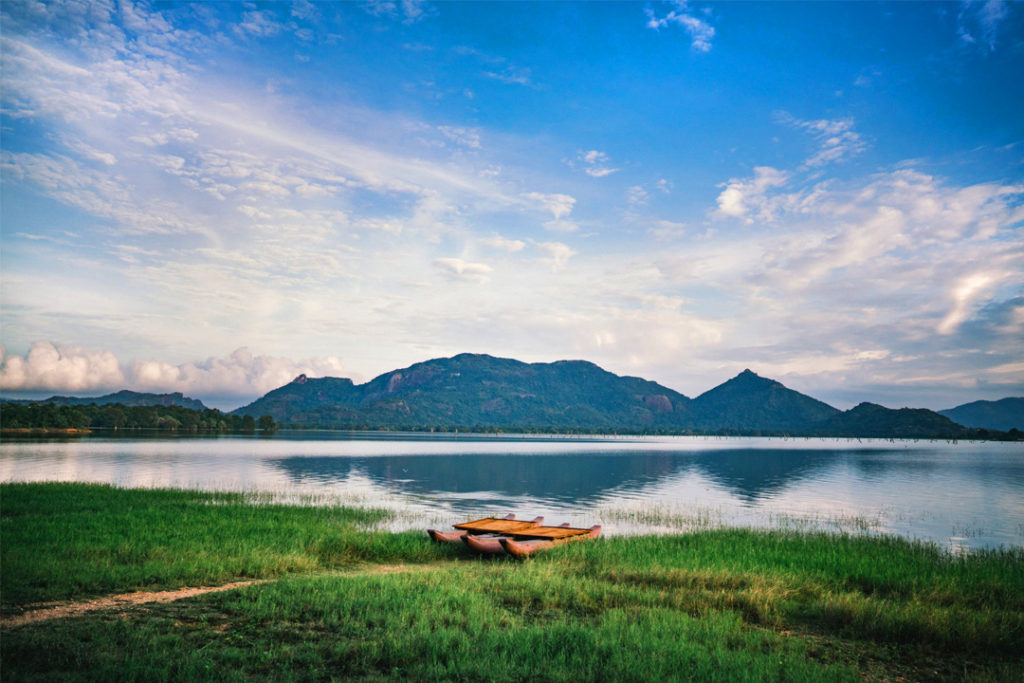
column 212, row 198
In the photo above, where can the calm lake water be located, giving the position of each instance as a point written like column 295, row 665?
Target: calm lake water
column 962, row 495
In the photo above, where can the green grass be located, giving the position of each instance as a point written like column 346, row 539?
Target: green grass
column 63, row 541
column 713, row 605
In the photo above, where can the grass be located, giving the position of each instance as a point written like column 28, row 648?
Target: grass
column 719, row 604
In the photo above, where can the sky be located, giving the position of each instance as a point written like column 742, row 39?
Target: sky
column 215, row 197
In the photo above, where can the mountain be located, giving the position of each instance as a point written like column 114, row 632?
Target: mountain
column 751, row 403
column 126, row 398
column 869, row 420
column 1004, row 414
column 475, row 390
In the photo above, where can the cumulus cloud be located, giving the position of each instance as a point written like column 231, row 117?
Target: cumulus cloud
column 57, row 367
column 701, row 32
column 748, row 198
column 75, row 369
column 240, row 374
column 459, row 269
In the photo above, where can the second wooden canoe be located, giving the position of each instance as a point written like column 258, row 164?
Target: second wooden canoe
column 545, row 538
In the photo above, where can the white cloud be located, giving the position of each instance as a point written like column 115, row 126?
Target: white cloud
column 239, row 374
column 560, row 205
column 595, row 163
column 58, row 367
column 259, row 23
column 499, row 242
column 749, row 198
column 964, row 294
column 981, row 19
column 467, row 137
column 837, row 140
column 456, row 267
column 76, row 370
column 701, row 32
column 557, row 254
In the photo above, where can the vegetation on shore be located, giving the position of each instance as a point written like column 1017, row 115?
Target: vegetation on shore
column 16, row 417
column 723, row 604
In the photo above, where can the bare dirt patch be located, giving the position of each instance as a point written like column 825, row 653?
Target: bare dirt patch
column 63, row 610
column 124, row 600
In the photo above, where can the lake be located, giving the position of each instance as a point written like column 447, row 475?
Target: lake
column 962, row 496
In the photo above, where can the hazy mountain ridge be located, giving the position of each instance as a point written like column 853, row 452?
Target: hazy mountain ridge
column 481, row 391
column 123, row 397
column 1004, row 414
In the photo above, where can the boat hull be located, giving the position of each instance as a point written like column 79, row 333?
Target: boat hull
column 527, row 547
column 485, row 545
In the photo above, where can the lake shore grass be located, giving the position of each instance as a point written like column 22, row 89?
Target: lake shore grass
column 717, row 604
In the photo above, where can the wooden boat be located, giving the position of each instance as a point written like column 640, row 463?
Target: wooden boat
column 545, row 538
column 487, row 525
column 490, row 544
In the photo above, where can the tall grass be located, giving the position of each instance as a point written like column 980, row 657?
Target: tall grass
column 76, row 540
column 713, row 605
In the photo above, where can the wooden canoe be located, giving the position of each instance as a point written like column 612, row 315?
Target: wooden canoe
column 545, row 538
column 490, row 544
column 487, row 525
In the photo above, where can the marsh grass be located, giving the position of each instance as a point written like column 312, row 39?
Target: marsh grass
column 720, row 604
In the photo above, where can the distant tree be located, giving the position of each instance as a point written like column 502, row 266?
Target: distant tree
column 267, row 424
column 248, row 424
column 113, row 417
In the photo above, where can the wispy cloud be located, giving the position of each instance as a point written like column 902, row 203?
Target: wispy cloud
column 837, row 140
column 701, row 32
column 464, row 270
column 980, row 21
column 595, row 163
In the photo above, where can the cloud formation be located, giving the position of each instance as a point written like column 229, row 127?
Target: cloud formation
column 56, row 367
column 701, row 32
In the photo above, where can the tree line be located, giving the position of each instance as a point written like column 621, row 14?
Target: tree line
column 120, row 416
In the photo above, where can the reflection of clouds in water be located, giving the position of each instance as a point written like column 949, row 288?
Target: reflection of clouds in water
column 947, row 493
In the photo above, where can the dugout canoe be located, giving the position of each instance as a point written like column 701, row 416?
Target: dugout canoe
column 490, row 544
column 544, row 538
column 487, row 525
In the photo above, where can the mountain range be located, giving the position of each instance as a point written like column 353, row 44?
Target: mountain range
column 476, row 391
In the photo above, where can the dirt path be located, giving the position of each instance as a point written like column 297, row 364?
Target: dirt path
column 37, row 613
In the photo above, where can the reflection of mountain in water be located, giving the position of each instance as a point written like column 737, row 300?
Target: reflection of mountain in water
column 562, row 478
column 753, row 474
column 750, row 474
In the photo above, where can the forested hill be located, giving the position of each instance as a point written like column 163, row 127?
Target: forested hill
column 476, row 391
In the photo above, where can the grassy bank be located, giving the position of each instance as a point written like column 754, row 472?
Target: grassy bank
column 721, row 605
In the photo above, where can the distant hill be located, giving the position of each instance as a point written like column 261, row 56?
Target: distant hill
column 869, row 420
column 1004, row 414
column 125, row 398
column 750, row 403
column 473, row 390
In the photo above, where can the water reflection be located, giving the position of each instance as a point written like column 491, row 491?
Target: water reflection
column 967, row 495
column 579, row 478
